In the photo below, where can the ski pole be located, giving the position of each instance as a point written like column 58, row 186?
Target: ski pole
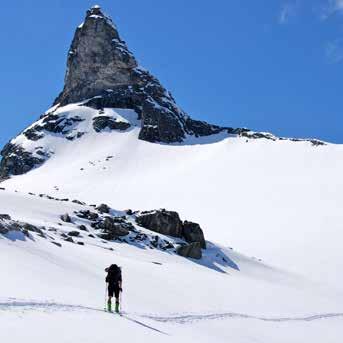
column 121, row 301
column 105, row 296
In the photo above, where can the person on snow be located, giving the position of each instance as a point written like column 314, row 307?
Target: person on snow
column 114, row 284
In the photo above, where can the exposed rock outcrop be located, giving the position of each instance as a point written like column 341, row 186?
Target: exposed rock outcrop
column 169, row 223
column 112, row 228
column 103, row 208
column 101, row 123
column 103, row 73
column 7, row 224
column 100, row 67
column 73, row 233
column 16, row 160
column 65, row 218
column 192, row 250
column 161, row 221
column 193, row 233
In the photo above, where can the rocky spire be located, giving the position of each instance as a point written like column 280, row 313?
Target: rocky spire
column 101, row 68
column 102, row 72
column 97, row 60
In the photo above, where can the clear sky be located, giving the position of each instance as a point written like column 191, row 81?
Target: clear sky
column 269, row 65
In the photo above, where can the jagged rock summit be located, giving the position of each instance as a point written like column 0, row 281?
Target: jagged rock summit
column 103, row 73
column 98, row 60
column 101, row 68
column 105, row 90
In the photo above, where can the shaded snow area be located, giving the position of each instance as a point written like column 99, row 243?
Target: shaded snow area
column 271, row 212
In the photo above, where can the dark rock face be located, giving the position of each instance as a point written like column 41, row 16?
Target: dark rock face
column 102, row 72
column 97, row 60
column 103, row 122
column 86, row 214
column 52, row 123
column 100, row 67
column 193, row 233
column 201, row 128
column 161, row 221
column 33, row 228
column 169, row 223
column 192, row 250
column 17, row 161
column 112, row 228
column 65, row 218
column 7, row 225
column 74, row 233
column 103, row 208
column 3, row 228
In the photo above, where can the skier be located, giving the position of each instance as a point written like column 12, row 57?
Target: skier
column 114, row 283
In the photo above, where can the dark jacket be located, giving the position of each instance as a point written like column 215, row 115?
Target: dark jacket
column 113, row 277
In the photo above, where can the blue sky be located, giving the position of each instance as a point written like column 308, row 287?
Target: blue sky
column 268, row 65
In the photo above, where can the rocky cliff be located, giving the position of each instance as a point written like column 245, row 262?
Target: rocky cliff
column 102, row 70
column 102, row 73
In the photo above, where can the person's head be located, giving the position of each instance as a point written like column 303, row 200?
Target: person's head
column 113, row 268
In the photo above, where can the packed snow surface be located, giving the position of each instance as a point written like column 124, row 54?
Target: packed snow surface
column 278, row 201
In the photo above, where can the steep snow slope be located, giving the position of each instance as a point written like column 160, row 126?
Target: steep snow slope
column 276, row 200
column 57, row 293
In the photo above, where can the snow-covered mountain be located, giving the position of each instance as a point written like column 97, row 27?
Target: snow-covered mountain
column 115, row 136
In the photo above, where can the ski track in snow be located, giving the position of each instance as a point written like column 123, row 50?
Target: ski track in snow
column 178, row 319
column 185, row 319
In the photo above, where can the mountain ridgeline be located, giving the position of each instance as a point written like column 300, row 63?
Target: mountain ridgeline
column 103, row 73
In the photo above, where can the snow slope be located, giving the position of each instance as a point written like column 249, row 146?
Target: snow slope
column 56, row 294
column 277, row 200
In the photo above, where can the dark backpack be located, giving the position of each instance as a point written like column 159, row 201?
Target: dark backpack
column 113, row 274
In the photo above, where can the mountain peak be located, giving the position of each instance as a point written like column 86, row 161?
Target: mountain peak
column 96, row 9
column 103, row 72
column 97, row 60
column 95, row 12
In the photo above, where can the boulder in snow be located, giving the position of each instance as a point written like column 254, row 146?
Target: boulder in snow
column 192, row 233
column 86, row 214
column 161, row 221
column 103, row 208
column 74, row 233
column 192, row 250
column 112, row 228
column 101, row 123
column 65, row 218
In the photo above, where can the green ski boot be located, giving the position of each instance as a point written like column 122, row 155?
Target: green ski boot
column 117, row 307
column 109, row 306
